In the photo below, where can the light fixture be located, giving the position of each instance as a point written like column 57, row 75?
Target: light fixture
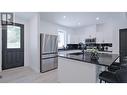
column 97, row 18
column 64, row 17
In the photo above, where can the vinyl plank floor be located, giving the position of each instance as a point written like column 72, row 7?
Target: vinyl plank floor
column 69, row 71
column 27, row 75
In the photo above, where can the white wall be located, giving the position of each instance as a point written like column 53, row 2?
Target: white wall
column 51, row 28
column 26, row 41
column 48, row 28
column 80, row 34
column 116, row 27
column 34, row 45
column 0, row 47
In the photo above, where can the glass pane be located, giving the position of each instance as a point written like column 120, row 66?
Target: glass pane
column 61, row 37
column 13, row 37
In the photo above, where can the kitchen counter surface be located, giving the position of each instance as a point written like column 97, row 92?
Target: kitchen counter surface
column 104, row 59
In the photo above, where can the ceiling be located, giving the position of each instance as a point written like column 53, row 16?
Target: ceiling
column 79, row 19
column 75, row 19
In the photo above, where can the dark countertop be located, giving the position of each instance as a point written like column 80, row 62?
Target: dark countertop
column 104, row 59
column 79, row 49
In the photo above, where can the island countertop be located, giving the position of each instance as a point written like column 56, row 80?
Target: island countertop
column 104, row 59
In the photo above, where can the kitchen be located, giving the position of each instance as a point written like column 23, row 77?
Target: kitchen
column 101, row 31
column 79, row 34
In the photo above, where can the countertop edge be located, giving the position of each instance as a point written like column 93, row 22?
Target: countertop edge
column 82, row 60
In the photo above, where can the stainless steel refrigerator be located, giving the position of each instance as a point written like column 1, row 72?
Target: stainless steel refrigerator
column 49, row 52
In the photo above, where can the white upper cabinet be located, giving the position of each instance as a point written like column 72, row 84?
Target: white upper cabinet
column 104, row 33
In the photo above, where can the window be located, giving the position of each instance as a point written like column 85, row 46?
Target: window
column 13, row 36
column 61, row 39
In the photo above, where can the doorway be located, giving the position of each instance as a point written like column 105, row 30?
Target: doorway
column 12, row 46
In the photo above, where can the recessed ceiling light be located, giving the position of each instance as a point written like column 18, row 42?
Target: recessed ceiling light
column 64, row 17
column 79, row 23
column 97, row 18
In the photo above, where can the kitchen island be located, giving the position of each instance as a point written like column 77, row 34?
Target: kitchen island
column 74, row 67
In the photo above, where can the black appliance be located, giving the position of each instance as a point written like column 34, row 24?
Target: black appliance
column 73, row 46
column 90, row 40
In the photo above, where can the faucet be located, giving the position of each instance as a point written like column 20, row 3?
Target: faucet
column 83, row 47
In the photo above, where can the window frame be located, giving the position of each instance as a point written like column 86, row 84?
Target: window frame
column 19, row 38
column 64, row 44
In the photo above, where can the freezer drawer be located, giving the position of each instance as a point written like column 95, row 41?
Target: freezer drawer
column 49, row 64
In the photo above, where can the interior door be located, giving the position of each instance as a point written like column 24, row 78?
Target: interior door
column 12, row 46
